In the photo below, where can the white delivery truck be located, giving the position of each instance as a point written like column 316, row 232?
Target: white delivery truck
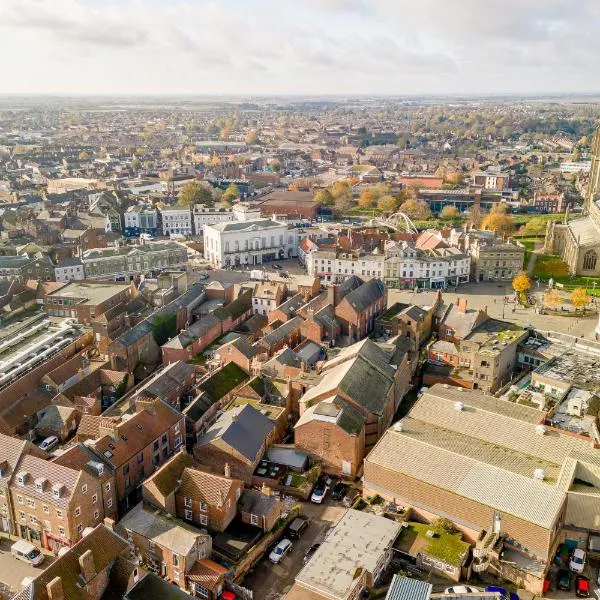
column 258, row 275
column 27, row 552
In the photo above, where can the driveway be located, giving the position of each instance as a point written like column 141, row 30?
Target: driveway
column 269, row 581
column 13, row 571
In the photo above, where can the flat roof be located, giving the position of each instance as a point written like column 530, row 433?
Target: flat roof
column 93, row 293
column 359, row 540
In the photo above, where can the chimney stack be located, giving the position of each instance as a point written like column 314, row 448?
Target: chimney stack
column 87, row 566
column 227, row 471
column 462, row 305
column 110, row 523
column 265, row 490
column 54, row 589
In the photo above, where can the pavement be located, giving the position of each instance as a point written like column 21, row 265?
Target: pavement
column 270, row 582
column 13, row 571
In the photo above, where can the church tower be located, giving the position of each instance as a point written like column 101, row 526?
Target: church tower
column 590, row 207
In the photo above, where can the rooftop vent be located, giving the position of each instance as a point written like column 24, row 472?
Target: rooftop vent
column 459, row 406
column 540, row 430
column 399, row 426
column 539, row 474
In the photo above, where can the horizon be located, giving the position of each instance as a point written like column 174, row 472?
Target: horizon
column 326, row 48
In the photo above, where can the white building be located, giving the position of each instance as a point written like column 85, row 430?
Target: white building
column 337, row 267
column 140, row 219
column 69, row 269
column 249, row 242
column 576, row 167
column 409, row 267
column 176, row 220
column 204, row 215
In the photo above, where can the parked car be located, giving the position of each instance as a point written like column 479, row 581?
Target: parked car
column 203, row 276
column 319, row 493
column 563, row 580
column 310, row 553
column 582, row 586
column 297, row 527
column 339, row 491
column 279, row 552
column 577, row 562
column 277, row 267
column 562, row 555
column 49, row 443
column 350, row 497
column 502, row 591
column 461, row 589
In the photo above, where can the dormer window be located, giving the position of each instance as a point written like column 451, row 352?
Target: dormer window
column 39, row 484
column 57, row 489
column 21, row 478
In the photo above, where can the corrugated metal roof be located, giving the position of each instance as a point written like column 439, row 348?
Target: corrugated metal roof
column 404, row 588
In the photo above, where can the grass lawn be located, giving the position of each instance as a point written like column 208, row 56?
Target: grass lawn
column 223, row 381
column 447, row 547
column 298, row 480
column 522, row 219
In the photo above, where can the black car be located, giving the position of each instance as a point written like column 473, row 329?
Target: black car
column 277, row 267
column 310, row 553
column 339, row 491
column 563, row 580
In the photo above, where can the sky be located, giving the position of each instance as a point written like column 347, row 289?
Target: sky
column 299, row 47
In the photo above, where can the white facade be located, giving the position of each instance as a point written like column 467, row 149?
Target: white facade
column 69, row 272
column 176, row 220
column 204, row 215
column 141, row 218
column 329, row 267
column 249, row 242
column 409, row 267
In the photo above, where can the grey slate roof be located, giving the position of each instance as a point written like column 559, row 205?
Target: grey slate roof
column 243, row 428
column 256, row 503
column 366, row 294
column 278, row 334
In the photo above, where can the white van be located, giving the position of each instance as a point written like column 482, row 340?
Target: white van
column 27, row 552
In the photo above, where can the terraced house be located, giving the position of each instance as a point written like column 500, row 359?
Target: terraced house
column 130, row 261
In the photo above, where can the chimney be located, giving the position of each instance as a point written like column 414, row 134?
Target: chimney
column 227, row 471
column 462, row 305
column 108, row 427
column 54, row 589
column 110, row 523
column 331, row 295
column 265, row 490
column 87, row 566
column 147, row 404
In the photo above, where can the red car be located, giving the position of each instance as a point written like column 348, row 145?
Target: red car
column 582, row 587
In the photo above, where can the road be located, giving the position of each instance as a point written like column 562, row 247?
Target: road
column 271, row 582
column 13, row 571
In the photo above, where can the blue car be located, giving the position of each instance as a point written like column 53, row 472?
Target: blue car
column 503, row 593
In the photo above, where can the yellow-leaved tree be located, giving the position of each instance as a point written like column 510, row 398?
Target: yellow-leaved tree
column 580, row 298
column 521, row 283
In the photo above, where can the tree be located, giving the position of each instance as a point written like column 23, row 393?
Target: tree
column 230, row 194
column 366, row 198
column 416, row 209
column 164, row 327
column 341, row 188
column 388, row 203
column 252, row 137
column 580, row 298
column 521, row 283
column 499, row 208
column 449, row 212
column 195, row 192
column 136, row 163
column 275, row 166
column 552, row 299
column 499, row 223
column 474, row 216
column 324, row 197
column 83, row 155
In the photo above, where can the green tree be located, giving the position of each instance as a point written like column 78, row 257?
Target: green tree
column 416, row 209
column 387, row 203
column 324, row 197
column 136, row 163
column 164, row 327
column 195, row 192
column 535, row 226
column 449, row 212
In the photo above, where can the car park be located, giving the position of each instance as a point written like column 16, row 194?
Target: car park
column 350, row 498
column 339, row 491
column 461, row 589
column 319, row 493
column 582, row 587
column 297, row 526
column 577, row 562
column 279, row 552
column 49, row 443
column 563, row 580
column 310, row 553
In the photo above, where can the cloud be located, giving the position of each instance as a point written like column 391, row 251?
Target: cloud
column 342, row 46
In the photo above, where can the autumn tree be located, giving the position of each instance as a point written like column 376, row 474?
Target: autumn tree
column 521, row 283
column 416, row 209
column 552, row 299
column 83, row 155
column 195, row 192
column 252, row 137
column 474, row 216
column 497, row 222
column 324, row 197
column 366, row 198
column 275, row 166
column 230, row 194
column 342, row 196
column 387, row 203
column 535, row 226
column 449, row 212
column 500, row 208
column 580, row 298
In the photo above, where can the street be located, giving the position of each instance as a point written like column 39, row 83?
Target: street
column 13, row 571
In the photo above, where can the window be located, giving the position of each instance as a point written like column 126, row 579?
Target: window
column 151, row 546
column 126, row 470
column 61, row 531
column 107, row 486
column 59, row 513
column 79, row 528
column 94, row 498
column 22, row 515
column 32, row 519
column 254, row 519
column 140, row 457
column 155, row 445
column 30, row 503
column 45, row 509
column 187, row 501
column 84, row 488
column 129, row 536
column 203, row 520
column 127, row 482
column 109, row 503
column 203, row 507
column 238, row 494
column 188, row 515
column 590, row 259
column 47, row 526
column 164, row 439
column 201, row 592
column 96, row 514
column 175, row 560
column 177, row 441
column 20, row 499
column 78, row 511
